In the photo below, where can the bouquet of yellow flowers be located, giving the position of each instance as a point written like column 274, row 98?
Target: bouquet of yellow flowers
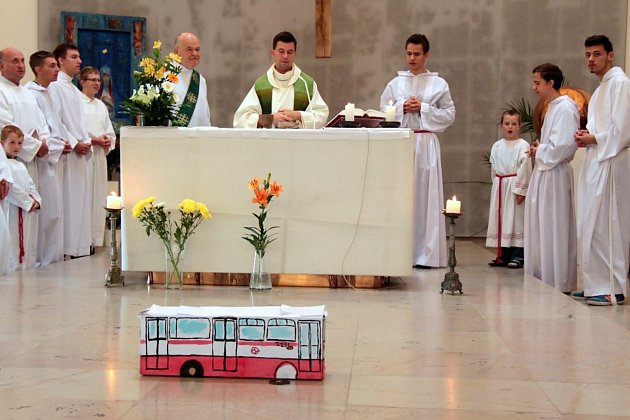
column 173, row 234
column 155, row 98
column 264, row 191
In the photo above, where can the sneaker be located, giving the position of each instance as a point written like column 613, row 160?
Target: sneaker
column 578, row 295
column 515, row 264
column 497, row 263
column 604, row 300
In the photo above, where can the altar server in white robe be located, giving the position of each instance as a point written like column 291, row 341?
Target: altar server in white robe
column 23, row 200
column 103, row 139
column 77, row 185
column 423, row 103
column 191, row 89
column 50, row 167
column 284, row 93
column 550, row 231
column 604, row 183
column 19, row 107
column 6, row 181
column 506, row 217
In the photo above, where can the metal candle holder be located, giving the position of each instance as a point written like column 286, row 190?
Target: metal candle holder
column 114, row 276
column 451, row 281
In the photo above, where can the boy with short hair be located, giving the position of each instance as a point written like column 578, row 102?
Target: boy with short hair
column 508, row 158
column 23, row 200
column 550, row 231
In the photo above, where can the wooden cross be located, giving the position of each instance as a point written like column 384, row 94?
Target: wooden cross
column 323, row 28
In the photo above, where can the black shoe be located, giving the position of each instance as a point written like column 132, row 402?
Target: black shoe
column 497, row 263
column 423, row 267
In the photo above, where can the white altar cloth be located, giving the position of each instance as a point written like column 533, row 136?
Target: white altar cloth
column 346, row 206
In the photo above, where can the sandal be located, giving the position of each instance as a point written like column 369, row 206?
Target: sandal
column 515, row 264
column 497, row 263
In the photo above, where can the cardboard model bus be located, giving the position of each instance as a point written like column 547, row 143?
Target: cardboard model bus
column 276, row 342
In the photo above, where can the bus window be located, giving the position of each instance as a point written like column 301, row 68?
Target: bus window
column 155, row 332
column 190, row 328
column 251, row 329
column 281, row 329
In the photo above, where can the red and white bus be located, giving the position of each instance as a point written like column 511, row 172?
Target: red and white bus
column 280, row 342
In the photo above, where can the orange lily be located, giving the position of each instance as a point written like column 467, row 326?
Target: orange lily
column 262, row 197
column 276, row 189
column 254, row 183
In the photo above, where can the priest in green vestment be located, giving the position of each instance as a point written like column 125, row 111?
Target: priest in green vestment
column 285, row 96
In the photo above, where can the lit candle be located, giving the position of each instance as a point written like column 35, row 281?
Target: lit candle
column 114, row 201
column 390, row 112
column 453, row 206
column 349, row 111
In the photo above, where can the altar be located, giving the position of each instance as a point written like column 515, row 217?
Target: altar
column 346, row 208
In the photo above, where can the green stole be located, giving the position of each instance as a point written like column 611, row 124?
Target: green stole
column 264, row 91
column 190, row 101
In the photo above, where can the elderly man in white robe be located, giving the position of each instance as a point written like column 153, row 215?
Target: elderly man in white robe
column 77, row 184
column 103, row 138
column 19, row 107
column 604, row 183
column 423, row 103
column 49, row 168
column 6, row 181
column 550, row 232
column 191, row 89
column 284, row 96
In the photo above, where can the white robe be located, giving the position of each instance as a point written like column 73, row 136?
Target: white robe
column 18, row 107
column 98, row 123
column 550, row 231
column 437, row 113
column 77, row 184
column 507, row 158
column 50, row 172
column 606, row 171
column 5, row 236
column 201, row 114
column 20, row 198
column 315, row 115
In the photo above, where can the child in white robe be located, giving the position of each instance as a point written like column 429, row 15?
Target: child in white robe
column 506, row 219
column 23, row 200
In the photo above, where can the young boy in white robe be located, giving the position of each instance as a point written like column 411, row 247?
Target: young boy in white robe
column 103, row 139
column 550, row 230
column 508, row 158
column 23, row 200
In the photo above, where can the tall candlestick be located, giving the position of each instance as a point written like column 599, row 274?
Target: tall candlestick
column 453, row 206
column 349, row 111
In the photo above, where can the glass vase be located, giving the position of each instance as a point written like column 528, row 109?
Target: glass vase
column 174, row 262
column 260, row 279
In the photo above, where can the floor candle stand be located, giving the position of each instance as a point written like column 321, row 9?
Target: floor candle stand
column 451, row 281
column 114, row 276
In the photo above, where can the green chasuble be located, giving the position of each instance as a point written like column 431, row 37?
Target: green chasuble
column 264, row 91
column 190, row 101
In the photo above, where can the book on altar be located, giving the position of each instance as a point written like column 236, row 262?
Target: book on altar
column 369, row 118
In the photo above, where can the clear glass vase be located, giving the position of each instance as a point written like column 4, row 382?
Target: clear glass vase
column 174, row 263
column 260, row 279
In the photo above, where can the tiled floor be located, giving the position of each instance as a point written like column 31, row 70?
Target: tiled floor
column 508, row 348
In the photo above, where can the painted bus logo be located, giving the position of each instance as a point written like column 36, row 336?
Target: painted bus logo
column 277, row 342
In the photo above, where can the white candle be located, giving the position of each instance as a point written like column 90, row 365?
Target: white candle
column 390, row 112
column 453, row 206
column 114, row 201
column 349, row 111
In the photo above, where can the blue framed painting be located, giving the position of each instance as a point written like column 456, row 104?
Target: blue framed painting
column 112, row 44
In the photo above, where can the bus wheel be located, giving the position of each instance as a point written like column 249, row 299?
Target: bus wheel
column 286, row 371
column 191, row 369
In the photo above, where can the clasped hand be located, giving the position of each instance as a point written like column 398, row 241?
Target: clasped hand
column 412, row 105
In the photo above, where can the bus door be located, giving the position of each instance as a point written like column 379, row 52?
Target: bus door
column 156, row 345
column 224, row 344
column 309, row 339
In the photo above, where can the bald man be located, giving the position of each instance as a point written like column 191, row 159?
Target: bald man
column 191, row 89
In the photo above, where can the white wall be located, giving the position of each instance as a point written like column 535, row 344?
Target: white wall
column 19, row 23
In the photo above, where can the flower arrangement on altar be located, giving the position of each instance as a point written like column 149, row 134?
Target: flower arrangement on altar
column 154, row 100
column 173, row 233
column 260, row 236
